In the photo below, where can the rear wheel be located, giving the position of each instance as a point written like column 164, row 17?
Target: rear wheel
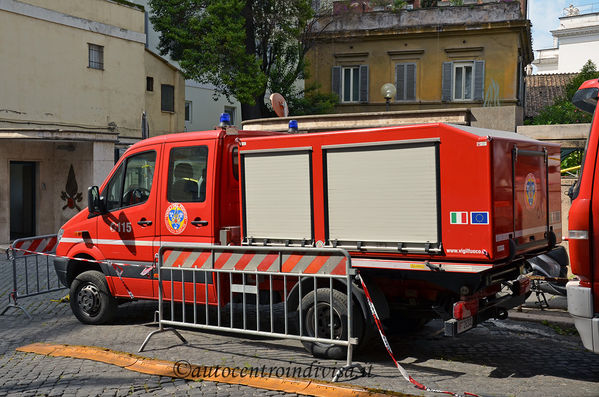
column 321, row 312
column 91, row 301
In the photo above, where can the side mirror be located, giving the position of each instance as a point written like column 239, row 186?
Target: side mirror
column 94, row 202
column 585, row 99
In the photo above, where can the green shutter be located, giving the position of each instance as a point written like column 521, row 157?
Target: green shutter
column 446, row 88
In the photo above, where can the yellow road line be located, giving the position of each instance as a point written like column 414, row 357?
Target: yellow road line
column 153, row 366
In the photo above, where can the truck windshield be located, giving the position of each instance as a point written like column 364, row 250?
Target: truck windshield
column 586, row 100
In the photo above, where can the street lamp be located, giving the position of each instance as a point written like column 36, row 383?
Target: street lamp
column 388, row 91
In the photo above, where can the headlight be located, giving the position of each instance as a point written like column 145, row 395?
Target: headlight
column 59, row 235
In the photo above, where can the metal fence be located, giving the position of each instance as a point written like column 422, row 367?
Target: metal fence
column 33, row 273
column 249, row 290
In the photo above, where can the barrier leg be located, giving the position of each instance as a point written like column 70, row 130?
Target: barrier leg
column 14, row 304
column 349, row 365
column 158, row 331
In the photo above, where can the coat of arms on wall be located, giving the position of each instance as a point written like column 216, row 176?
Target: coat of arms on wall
column 71, row 196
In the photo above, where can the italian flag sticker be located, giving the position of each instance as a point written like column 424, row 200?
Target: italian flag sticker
column 459, row 218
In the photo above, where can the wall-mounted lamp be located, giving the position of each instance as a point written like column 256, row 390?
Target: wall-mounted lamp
column 388, row 91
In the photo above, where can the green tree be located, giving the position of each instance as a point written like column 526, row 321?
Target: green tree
column 563, row 111
column 242, row 47
column 312, row 101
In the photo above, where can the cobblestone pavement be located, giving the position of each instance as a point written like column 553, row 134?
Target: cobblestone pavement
column 499, row 358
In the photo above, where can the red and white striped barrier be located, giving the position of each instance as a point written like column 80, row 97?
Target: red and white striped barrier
column 401, row 369
column 255, row 261
column 39, row 245
column 46, row 246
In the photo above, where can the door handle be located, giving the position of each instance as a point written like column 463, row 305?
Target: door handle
column 143, row 222
column 199, row 222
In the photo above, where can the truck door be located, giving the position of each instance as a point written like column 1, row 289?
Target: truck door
column 531, row 219
column 127, row 231
column 186, row 210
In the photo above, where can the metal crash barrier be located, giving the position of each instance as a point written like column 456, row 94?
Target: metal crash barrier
column 279, row 292
column 32, row 269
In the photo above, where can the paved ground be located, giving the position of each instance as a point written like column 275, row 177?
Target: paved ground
column 500, row 358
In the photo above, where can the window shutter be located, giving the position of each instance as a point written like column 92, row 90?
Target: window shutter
column 167, row 98
column 363, row 83
column 479, row 80
column 336, row 81
column 400, row 83
column 411, row 82
column 446, row 89
column 520, row 77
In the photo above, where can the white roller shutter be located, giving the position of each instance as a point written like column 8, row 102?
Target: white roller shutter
column 383, row 194
column 277, row 196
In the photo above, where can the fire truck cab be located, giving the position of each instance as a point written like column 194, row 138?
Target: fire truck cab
column 177, row 189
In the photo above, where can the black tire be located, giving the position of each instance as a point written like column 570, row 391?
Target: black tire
column 323, row 306
column 90, row 298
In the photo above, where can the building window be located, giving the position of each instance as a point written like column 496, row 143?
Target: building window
column 167, row 98
column 231, row 111
column 350, row 89
column 149, row 83
column 463, row 81
column 187, row 110
column 405, row 81
column 96, row 56
column 350, row 83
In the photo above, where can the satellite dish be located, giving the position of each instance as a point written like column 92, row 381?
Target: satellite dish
column 279, row 105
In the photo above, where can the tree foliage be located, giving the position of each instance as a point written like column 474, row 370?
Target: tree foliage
column 311, row 101
column 244, row 48
column 563, row 111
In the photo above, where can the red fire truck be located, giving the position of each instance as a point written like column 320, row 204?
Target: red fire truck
column 438, row 219
column 583, row 229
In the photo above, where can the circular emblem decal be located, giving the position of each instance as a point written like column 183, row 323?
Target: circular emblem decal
column 175, row 218
column 530, row 188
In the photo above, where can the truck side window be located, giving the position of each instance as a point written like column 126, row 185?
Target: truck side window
column 235, row 163
column 187, row 174
column 132, row 182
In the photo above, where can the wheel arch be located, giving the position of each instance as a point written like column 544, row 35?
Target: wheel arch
column 75, row 267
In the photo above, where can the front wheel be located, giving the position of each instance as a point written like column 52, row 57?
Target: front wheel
column 321, row 312
column 91, row 301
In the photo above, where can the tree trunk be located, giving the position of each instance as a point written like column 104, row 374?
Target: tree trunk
column 249, row 112
column 256, row 111
column 259, row 109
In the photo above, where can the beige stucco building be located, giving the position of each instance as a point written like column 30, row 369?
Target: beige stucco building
column 442, row 57
column 76, row 78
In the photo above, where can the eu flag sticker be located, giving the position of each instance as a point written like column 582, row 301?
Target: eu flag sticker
column 479, row 218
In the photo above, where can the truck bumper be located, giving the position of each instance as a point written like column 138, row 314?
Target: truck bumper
column 60, row 265
column 498, row 309
column 580, row 306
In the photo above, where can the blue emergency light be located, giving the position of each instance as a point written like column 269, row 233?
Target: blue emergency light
column 225, row 120
column 293, row 126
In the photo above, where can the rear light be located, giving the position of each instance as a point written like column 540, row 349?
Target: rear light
column 579, row 243
column 465, row 309
column 578, row 235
